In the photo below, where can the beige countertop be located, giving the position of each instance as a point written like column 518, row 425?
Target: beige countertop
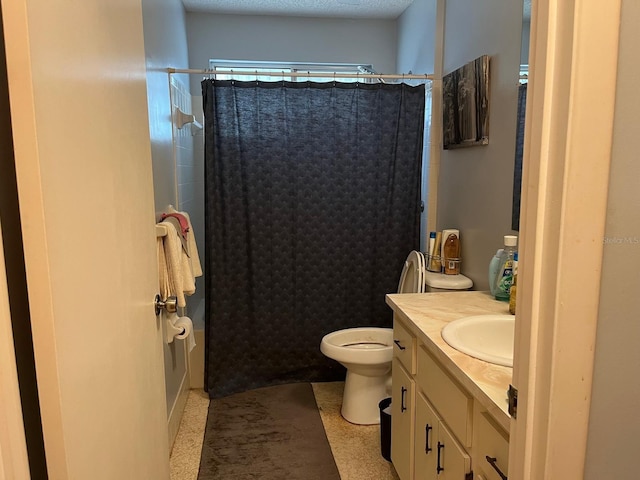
column 425, row 314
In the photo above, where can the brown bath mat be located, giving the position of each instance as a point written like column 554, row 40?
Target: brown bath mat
column 271, row 433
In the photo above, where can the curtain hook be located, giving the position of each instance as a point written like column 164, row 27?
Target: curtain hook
column 256, row 76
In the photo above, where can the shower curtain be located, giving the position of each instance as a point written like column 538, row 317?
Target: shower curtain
column 517, row 172
column 312, row 203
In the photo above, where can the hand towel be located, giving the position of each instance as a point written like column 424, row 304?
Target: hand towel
column 163, row 273
column 184, row 223
column 174, row 260
column 196, row 267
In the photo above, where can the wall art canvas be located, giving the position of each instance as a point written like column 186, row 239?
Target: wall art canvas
column 465, row 105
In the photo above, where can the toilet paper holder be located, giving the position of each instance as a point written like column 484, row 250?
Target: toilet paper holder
column 170, row 305
column 173, row 330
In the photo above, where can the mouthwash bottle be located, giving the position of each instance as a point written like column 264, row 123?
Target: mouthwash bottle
column 504, row 278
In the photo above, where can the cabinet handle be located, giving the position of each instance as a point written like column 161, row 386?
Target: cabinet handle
column 492, row 462
column 427, row 447
column 440, row 448
column 402, row 394
column 397, row 342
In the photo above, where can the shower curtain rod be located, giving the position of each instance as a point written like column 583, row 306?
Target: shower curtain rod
column 381, row 76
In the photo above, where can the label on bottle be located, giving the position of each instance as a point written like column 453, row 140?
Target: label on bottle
column 505, row 280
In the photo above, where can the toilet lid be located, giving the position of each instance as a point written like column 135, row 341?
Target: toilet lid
column 412, row 278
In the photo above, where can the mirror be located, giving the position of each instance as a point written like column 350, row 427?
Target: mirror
column 520, row 119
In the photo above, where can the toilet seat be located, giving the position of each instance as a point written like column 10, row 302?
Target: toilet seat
column 365, row 344
column 412, row 278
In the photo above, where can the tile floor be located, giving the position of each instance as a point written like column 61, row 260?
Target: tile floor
column 356, row 448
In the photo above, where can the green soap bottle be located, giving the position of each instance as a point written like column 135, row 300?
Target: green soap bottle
column 504, row 279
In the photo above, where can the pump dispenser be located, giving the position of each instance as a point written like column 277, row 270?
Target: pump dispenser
column 504, row 278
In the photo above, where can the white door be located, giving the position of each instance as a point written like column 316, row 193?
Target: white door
column 79, row 116
column 562, row 230
column 13, row 448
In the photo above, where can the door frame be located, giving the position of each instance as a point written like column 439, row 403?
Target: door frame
column 14, row 462
column 573, row 53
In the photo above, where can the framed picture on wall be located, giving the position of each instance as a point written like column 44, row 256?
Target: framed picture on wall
column 465, row 105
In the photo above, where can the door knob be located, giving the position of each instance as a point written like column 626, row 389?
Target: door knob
column 170, row 305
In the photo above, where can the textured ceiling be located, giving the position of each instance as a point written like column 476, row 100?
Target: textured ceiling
column 312, row 8
column 303, row 8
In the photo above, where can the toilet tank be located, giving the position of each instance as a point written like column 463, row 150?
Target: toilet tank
column 439, row 282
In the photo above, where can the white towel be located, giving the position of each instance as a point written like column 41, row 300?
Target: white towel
column 194, row 259
column 173, row 254
column 177, row 269
column 163, row 273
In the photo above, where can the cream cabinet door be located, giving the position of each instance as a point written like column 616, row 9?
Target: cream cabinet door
column 453, row 463
column 492, row 449
column 426, row 439
column 402, row 421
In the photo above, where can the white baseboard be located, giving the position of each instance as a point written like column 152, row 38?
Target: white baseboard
column 175, row 416
column 196, row 361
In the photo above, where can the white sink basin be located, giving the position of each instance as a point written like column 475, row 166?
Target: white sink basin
column 487, row 337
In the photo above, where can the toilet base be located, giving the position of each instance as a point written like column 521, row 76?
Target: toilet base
column 361, row 396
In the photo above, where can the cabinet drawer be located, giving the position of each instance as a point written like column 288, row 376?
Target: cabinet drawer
column 404, row 346
column 452, row 402
column 493, row 442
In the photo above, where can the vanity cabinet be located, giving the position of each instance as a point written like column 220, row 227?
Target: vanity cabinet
column 492, row 449
column 403, row 401
column 402, row 420
column 437, row 455
column 444, row 415
column 438, row 430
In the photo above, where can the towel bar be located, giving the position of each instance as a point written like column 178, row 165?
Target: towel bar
column 161, row 231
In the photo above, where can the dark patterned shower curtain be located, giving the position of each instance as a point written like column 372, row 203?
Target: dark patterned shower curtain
column 517, row 171
column 312, row 205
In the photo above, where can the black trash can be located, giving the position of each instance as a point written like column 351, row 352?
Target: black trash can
column 385, row 428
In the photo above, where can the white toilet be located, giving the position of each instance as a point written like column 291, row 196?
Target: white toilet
column 366, row 352
column 416, row 278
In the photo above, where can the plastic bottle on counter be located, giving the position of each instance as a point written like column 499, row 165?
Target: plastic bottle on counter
column 436, row 263
column 431, row 245
column 504, row 278
column 494, row 266
column 451, row 261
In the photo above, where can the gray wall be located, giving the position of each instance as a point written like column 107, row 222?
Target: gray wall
column 165, row 45
column 416, row 53
column 476, row 184
column 526, row 33
column 614, row 426
column 417, row 37
column 292, row 39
